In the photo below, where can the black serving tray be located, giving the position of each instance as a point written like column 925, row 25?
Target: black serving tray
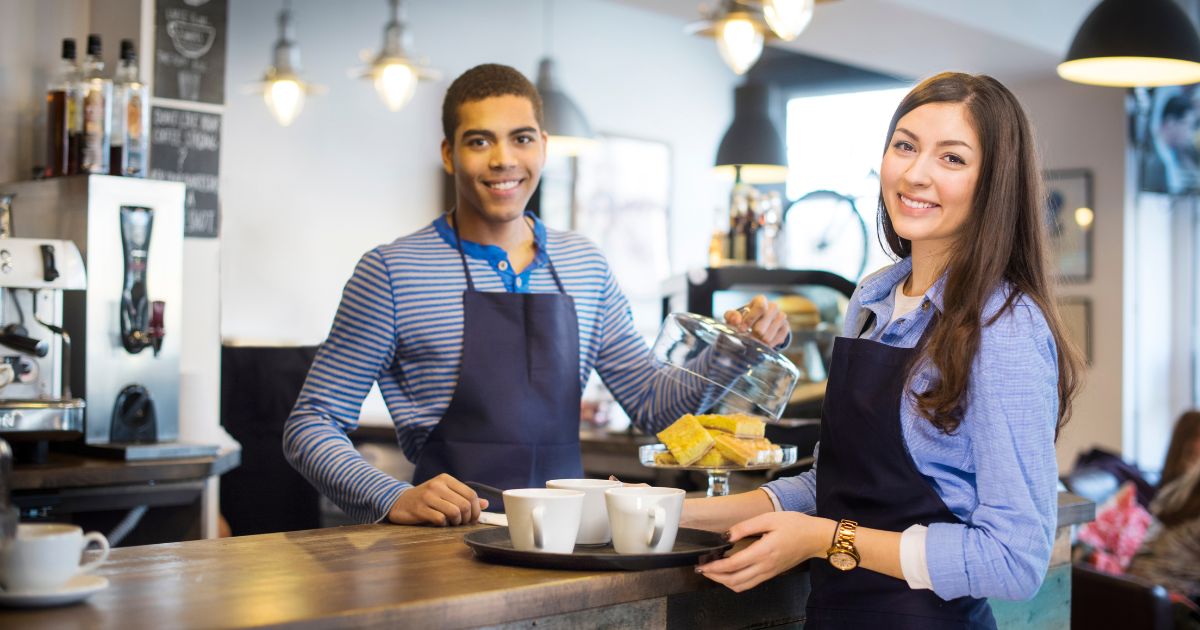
column 692, row 547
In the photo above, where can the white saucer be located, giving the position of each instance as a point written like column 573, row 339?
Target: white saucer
column 76, row 589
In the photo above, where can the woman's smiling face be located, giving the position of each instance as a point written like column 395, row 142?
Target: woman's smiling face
column 929, row 173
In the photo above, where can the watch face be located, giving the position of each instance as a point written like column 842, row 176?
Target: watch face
column 842, row 561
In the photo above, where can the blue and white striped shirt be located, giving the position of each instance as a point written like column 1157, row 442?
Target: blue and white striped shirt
column 997, row 472
column 400, row 323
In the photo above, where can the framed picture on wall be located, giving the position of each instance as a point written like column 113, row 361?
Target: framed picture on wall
column 1069, row 215
column 1077, row 317
column 622, row 191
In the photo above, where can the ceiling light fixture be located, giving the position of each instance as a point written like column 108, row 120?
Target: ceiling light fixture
column 742, row 27
column 394, row 70
column 752, row 150
column 1134, row 43
column 282, row 87
column 569, row 131
column 788, row 18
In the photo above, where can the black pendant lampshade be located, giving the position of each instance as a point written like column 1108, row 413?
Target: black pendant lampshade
column 1132, row 43
column 569, row 130
column 752, row 147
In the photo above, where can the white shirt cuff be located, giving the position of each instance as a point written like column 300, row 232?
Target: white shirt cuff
column 774, row 499
column 912, row 558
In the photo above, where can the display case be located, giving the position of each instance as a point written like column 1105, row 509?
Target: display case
column 815, row 304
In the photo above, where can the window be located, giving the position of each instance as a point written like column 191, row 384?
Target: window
column 835, row 142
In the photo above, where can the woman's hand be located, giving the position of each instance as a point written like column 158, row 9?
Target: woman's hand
column 788, row 538
column 761, row 318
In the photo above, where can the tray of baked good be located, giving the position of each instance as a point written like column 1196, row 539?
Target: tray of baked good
column 716, row 442
column 692, row 547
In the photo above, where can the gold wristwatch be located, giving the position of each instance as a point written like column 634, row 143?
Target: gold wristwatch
column 842, row 554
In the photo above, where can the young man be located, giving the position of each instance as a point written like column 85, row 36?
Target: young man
column 481, row 330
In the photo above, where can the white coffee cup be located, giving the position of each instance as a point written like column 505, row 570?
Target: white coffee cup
column 593, row 523
column 44, row 556
column 644, row 519
column 543, row 519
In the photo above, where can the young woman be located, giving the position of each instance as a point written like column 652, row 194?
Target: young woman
column 936, row 484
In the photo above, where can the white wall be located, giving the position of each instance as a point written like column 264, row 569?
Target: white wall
column 301, row 204
column 1083, row 127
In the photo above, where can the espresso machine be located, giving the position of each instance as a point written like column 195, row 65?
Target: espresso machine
column 125, row 327
column 36, row 401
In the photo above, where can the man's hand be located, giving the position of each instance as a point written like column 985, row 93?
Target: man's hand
column 761, row 318
column 440, row 501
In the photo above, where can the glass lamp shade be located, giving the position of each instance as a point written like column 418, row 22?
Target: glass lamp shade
column 1134, row 43
column 740, row 41
column 284, row 98
column 788, row 18
column 396, row 83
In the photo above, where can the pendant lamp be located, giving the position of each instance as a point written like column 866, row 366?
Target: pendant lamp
column 740, row 33
column 394, row 71
column 283, row 89
column 569, row 131
column 752, row 150
column 1134, row 43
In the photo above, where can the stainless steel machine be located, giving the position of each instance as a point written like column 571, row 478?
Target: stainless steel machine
column 36, row 402
column 125, row 328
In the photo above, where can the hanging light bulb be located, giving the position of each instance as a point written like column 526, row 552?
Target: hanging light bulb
column 283, row 90
column 740, row 33
column 393, row 71
column 740, row 42
column 788, row 18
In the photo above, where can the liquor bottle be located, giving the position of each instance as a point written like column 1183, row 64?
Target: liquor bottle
column 62, row 128
column 97, row 111
column 130, row 129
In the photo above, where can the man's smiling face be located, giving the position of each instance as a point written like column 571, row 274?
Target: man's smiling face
column 496, row 158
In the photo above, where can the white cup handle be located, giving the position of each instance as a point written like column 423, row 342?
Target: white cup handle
column 658, row 518
column 99, row 539
column 536, row 515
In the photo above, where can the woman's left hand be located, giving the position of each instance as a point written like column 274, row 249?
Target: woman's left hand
column 761, row 318
column 788, row 538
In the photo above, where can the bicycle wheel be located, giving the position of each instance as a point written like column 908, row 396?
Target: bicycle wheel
column 825, row 231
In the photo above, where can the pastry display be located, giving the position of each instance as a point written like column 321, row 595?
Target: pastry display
column 716, row 441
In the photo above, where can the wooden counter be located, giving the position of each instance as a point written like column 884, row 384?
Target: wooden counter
column 417, row 577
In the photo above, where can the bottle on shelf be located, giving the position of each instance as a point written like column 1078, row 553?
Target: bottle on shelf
column 130, row 120
column 62, row 116
column 718, row 247
column 96, row 94
column 772, row 241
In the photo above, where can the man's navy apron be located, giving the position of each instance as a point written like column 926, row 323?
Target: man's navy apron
column 867, row 475
column 514, row 419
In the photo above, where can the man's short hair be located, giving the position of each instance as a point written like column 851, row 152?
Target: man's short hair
column 486, row 81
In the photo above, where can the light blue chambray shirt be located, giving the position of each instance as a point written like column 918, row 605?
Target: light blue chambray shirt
column 997, row 472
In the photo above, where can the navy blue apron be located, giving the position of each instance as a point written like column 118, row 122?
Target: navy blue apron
column 513, row 421
column 867, row 475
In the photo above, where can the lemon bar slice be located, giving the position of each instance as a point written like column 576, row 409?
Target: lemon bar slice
column 741, row 425
column 665, row 458
column 712, row 459
column 686, row 439
column 737, row 450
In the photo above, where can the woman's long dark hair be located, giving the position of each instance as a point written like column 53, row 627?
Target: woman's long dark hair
column 1003, row 239
column 1186, row 432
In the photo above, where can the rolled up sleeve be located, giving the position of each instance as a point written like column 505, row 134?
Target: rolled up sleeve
column 1003, row 548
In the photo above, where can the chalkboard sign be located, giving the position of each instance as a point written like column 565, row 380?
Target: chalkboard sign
column 189, row 50
column 185, row 146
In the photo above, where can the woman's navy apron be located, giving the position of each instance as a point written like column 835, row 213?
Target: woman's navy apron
column 867, row 475
column 514, row 419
